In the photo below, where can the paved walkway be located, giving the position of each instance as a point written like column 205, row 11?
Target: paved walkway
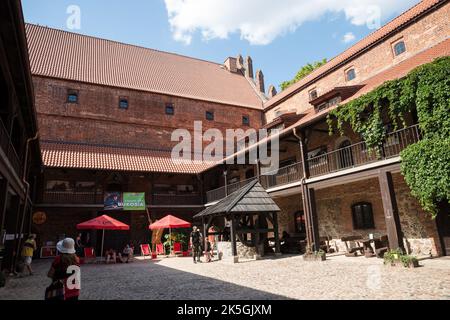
column 283, row 278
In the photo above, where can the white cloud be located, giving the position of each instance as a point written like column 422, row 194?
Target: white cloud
column 261, row 21
column 348, row 37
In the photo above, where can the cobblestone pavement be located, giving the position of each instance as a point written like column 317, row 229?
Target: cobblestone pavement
column 288, row 277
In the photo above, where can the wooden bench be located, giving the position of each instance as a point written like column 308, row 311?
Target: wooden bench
column 353, row 244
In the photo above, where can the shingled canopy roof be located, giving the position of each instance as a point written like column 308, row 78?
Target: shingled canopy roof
column 251, row 198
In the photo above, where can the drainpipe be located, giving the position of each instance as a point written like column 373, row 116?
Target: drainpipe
column 27, row 191
column 305, row 197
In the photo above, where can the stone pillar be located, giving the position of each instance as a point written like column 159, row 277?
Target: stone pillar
column 272, row 91
column 390, row 210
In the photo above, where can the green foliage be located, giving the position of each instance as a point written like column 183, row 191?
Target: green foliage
column 426, row 91
column 394, row 257
column 174, row 237
column 426, row 168
column 303, row 72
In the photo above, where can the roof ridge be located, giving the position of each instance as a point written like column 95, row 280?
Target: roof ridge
column 120, row 43
column 327, row 66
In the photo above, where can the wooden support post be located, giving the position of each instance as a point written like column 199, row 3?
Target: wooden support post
column 3, row 200
column 233, row 240
column 313, row 226
column 276, row 234
column 390, row 210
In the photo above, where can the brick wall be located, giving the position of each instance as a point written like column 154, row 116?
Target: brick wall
column 335, row 217
column 424, row 33
column 97, row 117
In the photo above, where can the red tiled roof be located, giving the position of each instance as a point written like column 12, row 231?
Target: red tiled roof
column 398, row 71
column 352, row 51
column 87, row 156
column 70, row 56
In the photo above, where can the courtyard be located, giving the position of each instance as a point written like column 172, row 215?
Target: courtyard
column 287, row 277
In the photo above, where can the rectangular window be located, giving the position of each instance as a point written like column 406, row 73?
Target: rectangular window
column 246, row 120
column 170, row 110
column 363, row 216
column 72, row 96
column 123, row 103
column 312, row 94
column 209, row 115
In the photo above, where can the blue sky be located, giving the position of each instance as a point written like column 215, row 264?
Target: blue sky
column 279, row 35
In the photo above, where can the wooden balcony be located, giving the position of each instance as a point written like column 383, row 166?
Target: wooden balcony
column 349, row 157
column 359, row 154
column 194, row 199
column 72, row 197
column 222, row 192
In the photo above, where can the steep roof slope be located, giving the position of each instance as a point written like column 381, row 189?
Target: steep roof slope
column 71, row 56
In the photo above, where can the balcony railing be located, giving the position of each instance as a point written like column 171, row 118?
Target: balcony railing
column 8, row 148
column 220, row 193
column 359, row 154
column 177, row 199
column 348, row 157
column 283, row 176
column 72, row 197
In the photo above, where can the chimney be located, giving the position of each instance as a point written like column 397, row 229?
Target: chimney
column 260, row 81
column 249, row 67
column 272, row 91
column 231, row 64
column 240, row 63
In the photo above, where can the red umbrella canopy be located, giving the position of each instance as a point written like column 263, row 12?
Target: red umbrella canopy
column 169, row 222
column 103, row 223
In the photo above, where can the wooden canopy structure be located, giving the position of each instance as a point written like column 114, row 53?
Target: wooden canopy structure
column 249, row 211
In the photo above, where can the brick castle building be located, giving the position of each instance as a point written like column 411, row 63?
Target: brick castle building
column 106, row 112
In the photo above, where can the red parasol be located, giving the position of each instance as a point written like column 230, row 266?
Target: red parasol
column 103, row 223
column 170, row 222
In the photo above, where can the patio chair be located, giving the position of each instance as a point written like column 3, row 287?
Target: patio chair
column 160, row 249
column 89, row 255
column 353, row 245
column 145, row 250
column 177, row 248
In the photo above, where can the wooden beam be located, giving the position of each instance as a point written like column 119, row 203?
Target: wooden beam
column 276, row 233
column 254, row 231
column 233, row 237
column 390, row 210
column 3, row 198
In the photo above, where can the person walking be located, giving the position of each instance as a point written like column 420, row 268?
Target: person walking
column 28, row 251
column 196, row 241
column 58, row 270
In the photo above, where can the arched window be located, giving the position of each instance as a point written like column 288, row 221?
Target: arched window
column 362, row 216
column 399, row 48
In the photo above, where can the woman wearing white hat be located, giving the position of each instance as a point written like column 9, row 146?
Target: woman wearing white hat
column 58, row 270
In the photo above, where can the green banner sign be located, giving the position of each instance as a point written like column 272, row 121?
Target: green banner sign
column 133, row 201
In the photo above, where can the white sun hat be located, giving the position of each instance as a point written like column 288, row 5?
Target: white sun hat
column 66, row 246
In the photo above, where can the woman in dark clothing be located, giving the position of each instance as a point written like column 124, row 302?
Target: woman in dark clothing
column 58, row 270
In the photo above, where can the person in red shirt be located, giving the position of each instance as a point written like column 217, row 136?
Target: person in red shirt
column 58, row 270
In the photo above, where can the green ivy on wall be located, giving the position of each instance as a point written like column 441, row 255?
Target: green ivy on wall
column 425, row 90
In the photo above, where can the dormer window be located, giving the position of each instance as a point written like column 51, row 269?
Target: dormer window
column 399, row 48
column 350, row 74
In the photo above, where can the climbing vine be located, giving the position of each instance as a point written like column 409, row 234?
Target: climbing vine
column 426, row 91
